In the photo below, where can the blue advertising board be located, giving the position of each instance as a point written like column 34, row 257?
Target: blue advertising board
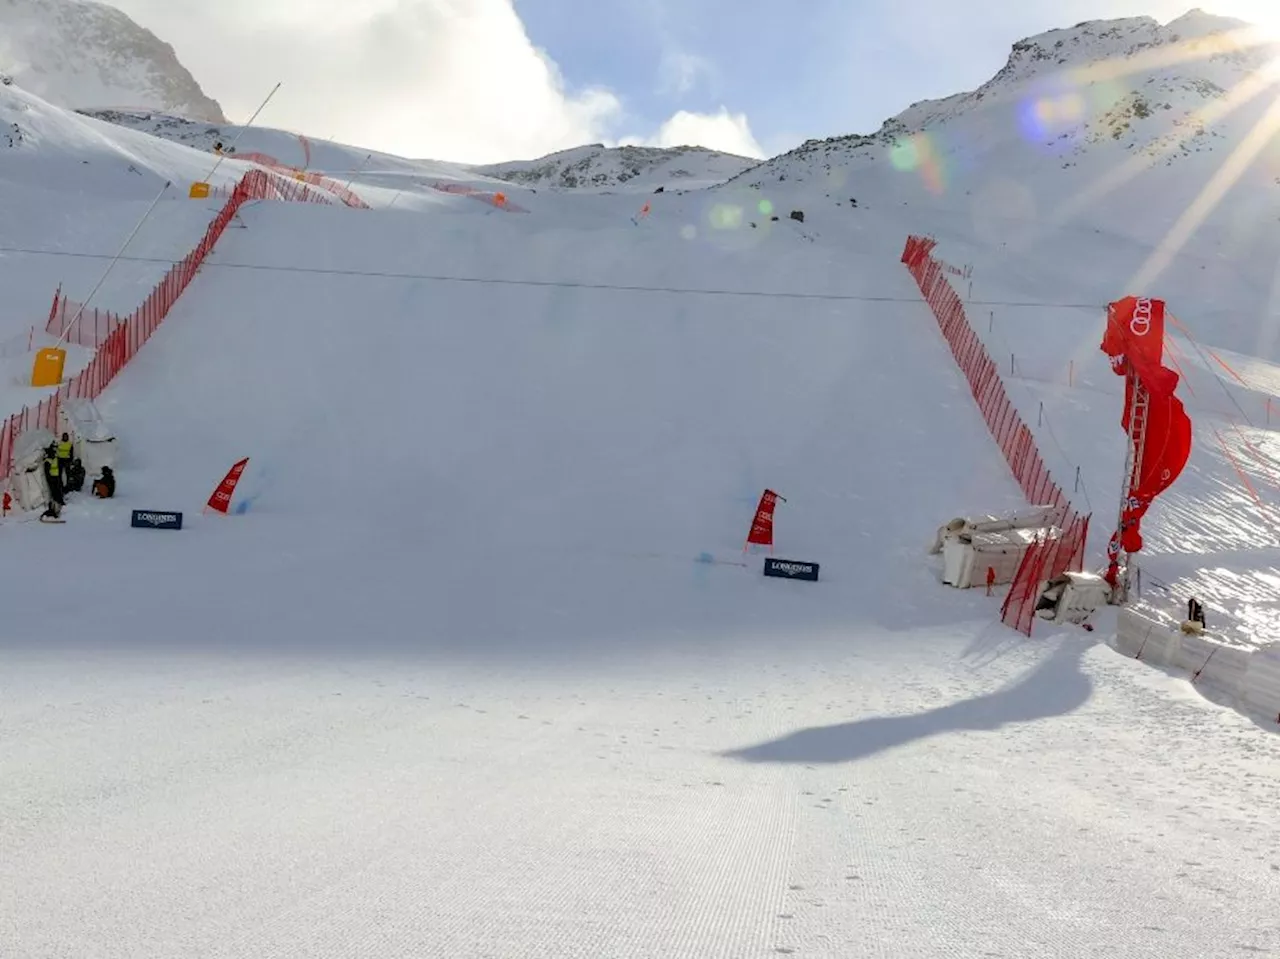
column 156, row 519
column 790, row 569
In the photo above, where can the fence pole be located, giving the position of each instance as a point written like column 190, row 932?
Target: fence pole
column 1040, row 415
column 1077, row 479
column 129, row 239
column 248, row 124
column 1012, row 369
column 363, row 164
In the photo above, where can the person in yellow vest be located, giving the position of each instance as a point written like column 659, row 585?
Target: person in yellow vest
column 53, row 476
column 64, row 455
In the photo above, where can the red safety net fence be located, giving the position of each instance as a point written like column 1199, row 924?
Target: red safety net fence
column 81, row 325
column 270, row 186
column 118, row 338
column 1049, row 557
column 342, row 192
column 494, row 198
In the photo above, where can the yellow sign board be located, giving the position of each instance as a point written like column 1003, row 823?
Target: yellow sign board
column 199, row 191
column 48, row 367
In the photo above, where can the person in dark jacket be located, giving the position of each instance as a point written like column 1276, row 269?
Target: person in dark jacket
column 74, row 480
column 104, row 487
column 1195, row 611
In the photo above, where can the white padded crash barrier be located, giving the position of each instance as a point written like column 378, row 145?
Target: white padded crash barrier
column 967, row 557
column 972, row 545
column 1140, row 637
column 1250, row 677
column 28, row 482
column 1076, row 595
column 30, row 490
column 1214, row 664
column 1034, row 517
column 95, row 444
column 1262, row 685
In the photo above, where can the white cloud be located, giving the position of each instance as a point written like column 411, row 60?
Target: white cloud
column 446, row 79
column 724, row 131
column 679, row 72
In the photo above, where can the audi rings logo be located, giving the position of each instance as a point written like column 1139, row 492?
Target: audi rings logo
column 1140, row 325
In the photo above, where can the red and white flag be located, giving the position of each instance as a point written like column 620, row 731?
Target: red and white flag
column 221, row 498
column 762, row 526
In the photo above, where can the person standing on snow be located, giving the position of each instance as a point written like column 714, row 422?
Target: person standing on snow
column 53, row 475
column 64, row 454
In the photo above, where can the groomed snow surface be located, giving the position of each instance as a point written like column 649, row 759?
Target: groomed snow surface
column 456, row 685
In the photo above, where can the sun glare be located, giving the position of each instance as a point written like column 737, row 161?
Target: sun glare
column 1264, row 14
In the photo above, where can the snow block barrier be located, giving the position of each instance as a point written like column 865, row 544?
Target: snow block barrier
column 122, row 337
column 1249, row 678
column 1045, row 560
column 1262, row 685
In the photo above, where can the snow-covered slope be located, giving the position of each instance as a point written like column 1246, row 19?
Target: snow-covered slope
column 81, row 53
column 388, row 174
column 474, row 651
column 588, row 169
column 631, row 168
column 476, row 672
column 75, row 187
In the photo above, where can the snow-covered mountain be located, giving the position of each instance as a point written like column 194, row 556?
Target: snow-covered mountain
column 1110, row 128
column 1118, row 86
column 633, row 168
column 84, row 54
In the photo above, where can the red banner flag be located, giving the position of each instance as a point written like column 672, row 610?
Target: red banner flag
column 1135, row 342
column 221, row 498
column 762, row 526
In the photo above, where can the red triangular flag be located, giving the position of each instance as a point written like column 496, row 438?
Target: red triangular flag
column 762, row 526
column 221, row 498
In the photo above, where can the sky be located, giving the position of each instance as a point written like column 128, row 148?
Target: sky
column 481, row 81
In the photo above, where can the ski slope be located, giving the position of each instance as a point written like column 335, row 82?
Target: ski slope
column 455, row 683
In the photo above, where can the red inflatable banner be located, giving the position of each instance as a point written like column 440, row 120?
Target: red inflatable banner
column 221, row 498
column 1134, row 340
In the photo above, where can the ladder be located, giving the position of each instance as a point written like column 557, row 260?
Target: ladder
column 1139, row 406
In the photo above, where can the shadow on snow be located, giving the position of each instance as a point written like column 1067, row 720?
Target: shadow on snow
column 1055, row 687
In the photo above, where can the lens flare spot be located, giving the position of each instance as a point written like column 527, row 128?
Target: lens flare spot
column 1052, row 115
column 920, row 154
column 1103, row 96
column 905, row 155
column 725, row 216
column 689, row 231
column 765, row 207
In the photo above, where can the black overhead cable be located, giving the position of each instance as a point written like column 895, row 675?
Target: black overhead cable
column 563, row 284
